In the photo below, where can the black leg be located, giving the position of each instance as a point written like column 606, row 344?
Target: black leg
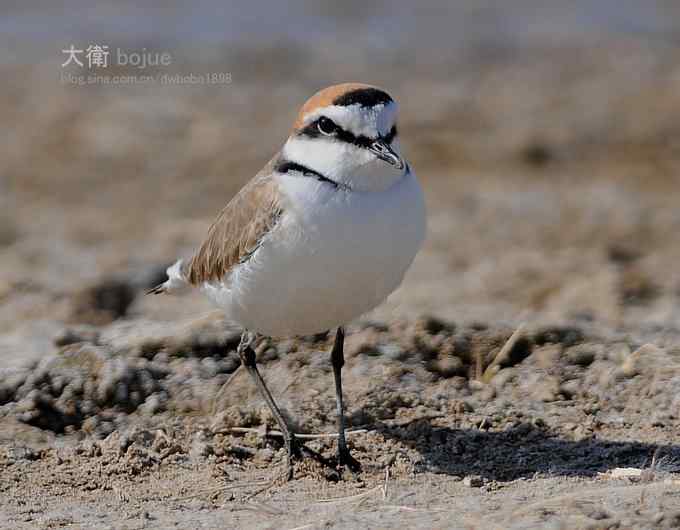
column 248, row 360
column 338, row 360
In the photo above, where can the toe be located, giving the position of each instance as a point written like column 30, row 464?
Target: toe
column 347, row 461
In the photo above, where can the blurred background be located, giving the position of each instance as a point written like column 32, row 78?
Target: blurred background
column 545, row 134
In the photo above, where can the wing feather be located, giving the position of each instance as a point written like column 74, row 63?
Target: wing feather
column 238, row 230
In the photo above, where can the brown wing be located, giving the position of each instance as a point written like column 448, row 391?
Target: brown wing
column 238, row 229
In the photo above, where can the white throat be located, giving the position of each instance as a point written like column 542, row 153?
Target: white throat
column 355, row 167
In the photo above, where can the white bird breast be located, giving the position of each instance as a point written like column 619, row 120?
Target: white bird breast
column 334, row 255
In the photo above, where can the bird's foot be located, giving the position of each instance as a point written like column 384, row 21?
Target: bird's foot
column 293, row 454
column 298, row 451
column 346, row 462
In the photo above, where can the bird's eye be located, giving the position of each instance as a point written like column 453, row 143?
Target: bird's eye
column 326, row 126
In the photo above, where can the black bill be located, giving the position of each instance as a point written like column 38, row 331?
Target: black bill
column 384, row 151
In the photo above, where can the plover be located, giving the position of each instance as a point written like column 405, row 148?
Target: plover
column 322, row 234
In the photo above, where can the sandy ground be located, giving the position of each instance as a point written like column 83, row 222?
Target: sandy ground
column 561, row 428
column 526, row 375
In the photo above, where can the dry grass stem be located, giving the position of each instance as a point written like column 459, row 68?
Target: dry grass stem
column 353, row 498
column 222, row 390
column 503, row 353
column 279, row 434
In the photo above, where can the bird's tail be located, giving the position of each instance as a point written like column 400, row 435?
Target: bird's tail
column 176, row 282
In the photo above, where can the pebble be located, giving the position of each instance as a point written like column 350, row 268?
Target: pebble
column 200, row 447
column 473, row 481
column 547, row 390
column 264, row 456
column 103, row 302
column 582, row 355
column 153, row 404
column 69, row 336
column 625, row 472
column 633, row 363
column 392, row 351
column 474, row 384
column 598, row 514
column 434, row 325
column 569, row 389
column 449, row 366
column 387, row 460
column 240, row 451
column 22, row 453
column 503, row 377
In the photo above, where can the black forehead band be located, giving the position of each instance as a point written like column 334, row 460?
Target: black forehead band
column 312, row 131
column 366, row 97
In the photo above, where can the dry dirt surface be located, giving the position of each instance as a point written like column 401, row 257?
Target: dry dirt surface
column 526, row 375
column 456, row 427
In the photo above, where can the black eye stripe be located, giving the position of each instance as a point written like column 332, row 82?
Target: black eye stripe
column 312, row 131
column 346, row 136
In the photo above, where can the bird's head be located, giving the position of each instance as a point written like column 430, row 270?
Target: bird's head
column 348, row 134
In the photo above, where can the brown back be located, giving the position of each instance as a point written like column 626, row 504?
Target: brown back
column 238, row 229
